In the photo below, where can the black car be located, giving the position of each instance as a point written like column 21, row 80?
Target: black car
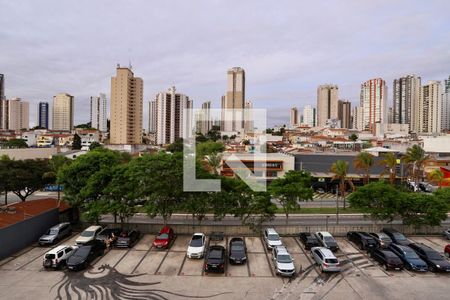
column 435, row 261
column 362, row 239
column 215, row 259
column 108, row 233
column 308, row 240
column 83, row 255
column 396, row 236
column 382, row 239
column 410, row 259
column 237, row 251
column 387, row 258
column 127, row 238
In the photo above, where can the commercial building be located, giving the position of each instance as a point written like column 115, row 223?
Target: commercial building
column 126, row 107
column 15, row 114
column 294, row 117
column 99, row 113
column 43, row 113
column 152, row 116
column 345, row 113
column 373, row 100
column 445, row 115
column 171, row 118
column 406, row 98
column 204, row 120
column 358, row 118
column 327, row 103
column 309, row 116
column 233, row 103
column 430, row 107
column 63, row 110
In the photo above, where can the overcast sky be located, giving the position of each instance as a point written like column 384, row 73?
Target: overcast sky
column 287, row 48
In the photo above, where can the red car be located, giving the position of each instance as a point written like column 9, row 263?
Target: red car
column 447, row 250
column 164, row 238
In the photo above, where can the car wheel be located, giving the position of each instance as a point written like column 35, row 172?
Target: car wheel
column 432, row 269
column 361, row 246
column 386, row 267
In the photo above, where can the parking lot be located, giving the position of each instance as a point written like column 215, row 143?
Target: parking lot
column 138, row 268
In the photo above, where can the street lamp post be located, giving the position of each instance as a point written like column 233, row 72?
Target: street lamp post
column 327, row 222
column 337, row 205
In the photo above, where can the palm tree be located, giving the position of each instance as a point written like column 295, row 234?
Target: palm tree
column 214, row 162
column 364, row 161
column 340, row 170
column 436, row 176
column 415, row 156
column 390, row 162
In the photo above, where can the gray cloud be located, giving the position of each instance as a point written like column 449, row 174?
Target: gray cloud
column 287, row 49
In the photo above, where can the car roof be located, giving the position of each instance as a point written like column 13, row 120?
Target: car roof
column 402, row 247
column 216, row 247
column 58, row 248
column 93, row 227
column 422, row 246
column 165, row 229
column 57, row 226
column 324, row 233
column 271, row 230
column 199, row 234
column 281, row 249
column 327, row 253
column 391, row 230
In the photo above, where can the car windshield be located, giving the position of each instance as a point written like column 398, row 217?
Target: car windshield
column 284, row 258
column 87, row 233
column 196, row 241
column 215, row 254
column 328, row 239
column 398, row 236
column 162, row 236
column 52, row 232
column 331, row 260
column 411, row 254
column 385, row 239
column 273, row 237
column 434, row 255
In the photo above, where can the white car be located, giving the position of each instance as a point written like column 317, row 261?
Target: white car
column 284, row 263
column 88, row 235
column 196, row 247
column 271, row 238
column 58, row 256
column 325, row 259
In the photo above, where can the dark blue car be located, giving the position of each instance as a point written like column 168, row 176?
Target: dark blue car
column 410, row 258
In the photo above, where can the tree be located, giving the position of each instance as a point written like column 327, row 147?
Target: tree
column 225, row 137
column 421, row 209
column 340, row 170
column 95, row 145
column 364, row 161
column 76, row 145
column 5, row 176
column 381, row 200
column 246, row 142
column 15, row 144
column 353, row 137
column 87, row 125
column 295, row 186
column 213, row 163
column 389, row 161
column 27, row 176
column 93, row 211
column 415, row 156
column 209, row 147
column 436, row 176
column 213, row 134
column 176, row 146
column 56, row 163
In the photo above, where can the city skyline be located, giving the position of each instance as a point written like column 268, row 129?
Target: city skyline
column 277, row 78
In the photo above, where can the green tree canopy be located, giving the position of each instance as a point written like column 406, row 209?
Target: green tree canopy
column 76, row 145
column 27, row 176
column 15, row 143
column 364, row 161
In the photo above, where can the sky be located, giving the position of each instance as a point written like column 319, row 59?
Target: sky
column 287, row 48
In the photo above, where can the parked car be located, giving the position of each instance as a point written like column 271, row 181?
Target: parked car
column 216, row 236
column 435, row 261
column 196, row 247
column 446, row 233
column 128, row 238
column 82, row 256
column 382, row 239
column 410, row 259
column 327, row 240
column 58, row 256
column 325, row 259
column 284, row 264
column 308, row 240
column 88, row 234
column 271, row 238
column 396, row 236
column 237, row 251
column 110, row 234
column 386, row 258
column 215, row 259
column 164, row 238
column 362, row 239
column 55, row 234
column 447, row 251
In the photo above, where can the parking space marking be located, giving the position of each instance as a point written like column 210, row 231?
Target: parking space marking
column 142, row 259
column 25, row 259
column 180, row 243
column 129, row 262
column 191, row 267
column 291, row 244
column 120, row 259
column 145, row 243
column 267, row 256
column 162, row 261
column 312, row 263
column 254, row 244
column 150, row 263
column 439, row 242
column 182, row 264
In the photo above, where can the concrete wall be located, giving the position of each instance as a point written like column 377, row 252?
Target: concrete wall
column 28, row 153
column 20, row 235
column 337, row 230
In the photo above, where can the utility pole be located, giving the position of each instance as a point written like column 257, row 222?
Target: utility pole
column 337, row 205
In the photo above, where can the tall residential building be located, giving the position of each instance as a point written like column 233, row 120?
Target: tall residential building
column 406, row 99
column 390, row 115
column 63, row 110
column 170, row 116
column 345, row 113
column 43, row 114
column 358, row 118
column 309, row 116
column 126, row 107
column 99, row 112
column 205, row 121
column 152, row 116
column 15, row 114
column 374, row 101
column 445, row 116
column 430, row 107
column 233, row 103
column 249, row 123
column 2, row 87
column 294, row 117
column 447, row 85
column 327, row 103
